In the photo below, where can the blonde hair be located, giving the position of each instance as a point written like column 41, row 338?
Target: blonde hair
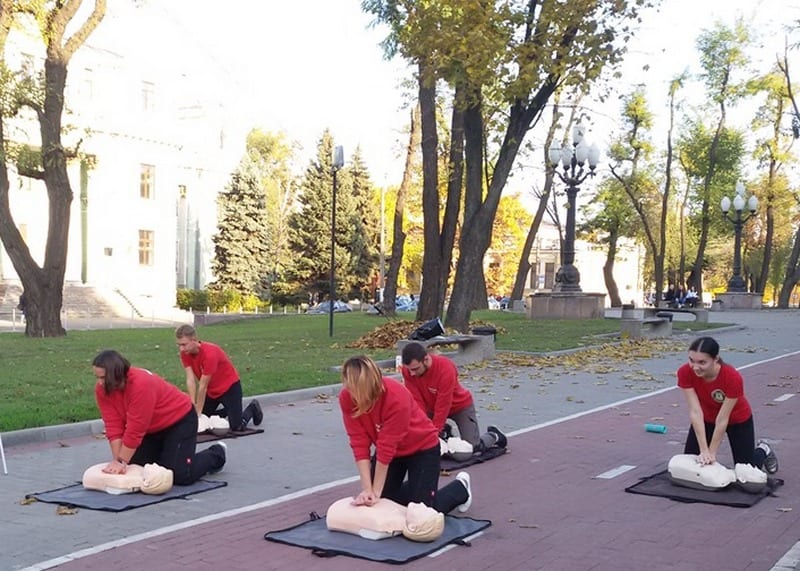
column 363, row 380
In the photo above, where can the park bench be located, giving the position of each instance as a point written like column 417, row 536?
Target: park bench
column 471, row 348
column 648, row 327
column 700, row 313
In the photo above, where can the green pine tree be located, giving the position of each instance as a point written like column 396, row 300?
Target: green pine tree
column 364, row 227
column 240, row 243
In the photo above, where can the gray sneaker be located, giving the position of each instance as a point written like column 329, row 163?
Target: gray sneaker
column 770, row 460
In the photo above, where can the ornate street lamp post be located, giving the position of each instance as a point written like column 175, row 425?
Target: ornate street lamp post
column 338, row 162
column 572, row 158
column 737, row 284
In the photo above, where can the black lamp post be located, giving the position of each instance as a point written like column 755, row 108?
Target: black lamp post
column 572, row 159
column 737, row 283
column 338, row 162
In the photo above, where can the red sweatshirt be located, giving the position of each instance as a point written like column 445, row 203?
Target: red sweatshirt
column 395, row 425
column 438, row 391
column 146, row 405
column 212, row 360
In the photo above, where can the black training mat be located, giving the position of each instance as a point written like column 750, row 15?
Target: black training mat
column 77, row 496
column 732, row 495
column 314, row 535
column 450, row 464
column 210, row 436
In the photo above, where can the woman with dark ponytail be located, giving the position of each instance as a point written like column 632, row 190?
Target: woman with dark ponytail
column 714, row 393
column 148, row 420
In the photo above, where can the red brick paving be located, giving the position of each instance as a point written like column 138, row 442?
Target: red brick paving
column 548, row 510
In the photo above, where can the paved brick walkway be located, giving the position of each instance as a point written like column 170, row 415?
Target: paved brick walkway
column 549, row 510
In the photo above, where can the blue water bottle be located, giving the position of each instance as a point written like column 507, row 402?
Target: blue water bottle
column 660, row 428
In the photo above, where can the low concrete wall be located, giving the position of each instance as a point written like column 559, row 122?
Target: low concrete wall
column 739, row 300
column 566, row 306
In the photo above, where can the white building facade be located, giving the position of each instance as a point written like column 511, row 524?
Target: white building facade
column 158, row 145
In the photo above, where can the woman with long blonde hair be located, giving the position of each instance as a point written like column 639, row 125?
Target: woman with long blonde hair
column 379, row 412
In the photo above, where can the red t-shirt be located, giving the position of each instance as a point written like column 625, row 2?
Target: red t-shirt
column 212, row 360
column 728, row 384
column 438, row 391
column 395, row 425
column 146, row 405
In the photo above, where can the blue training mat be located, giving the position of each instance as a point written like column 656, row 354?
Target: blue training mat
column 79, row 497
column 316, row 536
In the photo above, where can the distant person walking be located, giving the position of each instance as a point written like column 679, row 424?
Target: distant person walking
column 717, row 405
column 148, row 420
column 212, row 381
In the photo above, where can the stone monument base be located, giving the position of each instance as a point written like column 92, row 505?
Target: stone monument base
column 735, row 300
column 566, row 305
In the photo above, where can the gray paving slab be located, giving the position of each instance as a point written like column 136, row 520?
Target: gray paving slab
column 304, row 445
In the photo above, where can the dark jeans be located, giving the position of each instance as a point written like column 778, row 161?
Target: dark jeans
column 231, row 403
column 741, row 437
column 174, row 448
column 421, row 486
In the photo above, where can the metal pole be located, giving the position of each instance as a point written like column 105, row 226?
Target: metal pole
column 736, row 283
column 333, row 256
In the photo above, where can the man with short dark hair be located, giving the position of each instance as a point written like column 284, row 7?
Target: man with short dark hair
column 433, row 380
column 212, row 380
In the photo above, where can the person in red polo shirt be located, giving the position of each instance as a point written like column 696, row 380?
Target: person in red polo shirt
column 148, row 420
column 433, row 380
column 212, row 381
column 380, row 412
column 714, row 393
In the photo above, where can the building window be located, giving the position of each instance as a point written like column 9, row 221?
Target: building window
column 147, row 182
column 146, row 255
column 148, row 96
column 108, row 251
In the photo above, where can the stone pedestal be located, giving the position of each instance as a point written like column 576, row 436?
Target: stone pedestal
column 732, row 300
column 566, row 305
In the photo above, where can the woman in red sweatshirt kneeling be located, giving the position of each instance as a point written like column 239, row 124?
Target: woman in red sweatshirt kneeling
column 380, row 412
column 148, row 420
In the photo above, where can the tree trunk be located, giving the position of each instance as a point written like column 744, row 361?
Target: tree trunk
column 431, row 263
column 524, row 261
column 608, row 269
column 477, row 230
column 438, row 253
column 792, row 274
column 398, row 235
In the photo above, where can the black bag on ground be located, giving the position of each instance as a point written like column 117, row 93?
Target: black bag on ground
column 427, row 330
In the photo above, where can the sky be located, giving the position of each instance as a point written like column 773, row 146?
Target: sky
column 302, row 66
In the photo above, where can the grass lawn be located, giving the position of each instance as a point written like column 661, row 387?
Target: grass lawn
column 49, row 381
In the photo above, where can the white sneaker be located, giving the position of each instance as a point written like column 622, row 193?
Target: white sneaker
column 464, row 478
column 224, row 447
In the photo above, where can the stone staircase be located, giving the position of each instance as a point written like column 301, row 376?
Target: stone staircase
column 79, row 301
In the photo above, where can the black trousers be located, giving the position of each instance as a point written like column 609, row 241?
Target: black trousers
column 421, row 485
column 174, row 448
column 231, row 402
column 741, row 437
